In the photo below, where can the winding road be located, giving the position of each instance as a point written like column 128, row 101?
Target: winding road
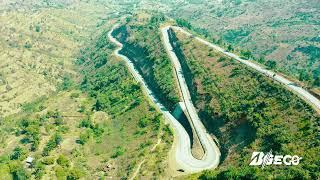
column 181, row 151
column 308, row 97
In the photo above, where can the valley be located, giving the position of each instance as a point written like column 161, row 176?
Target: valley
column 158, row 89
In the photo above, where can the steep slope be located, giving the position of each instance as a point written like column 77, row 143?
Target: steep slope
column 142, row 43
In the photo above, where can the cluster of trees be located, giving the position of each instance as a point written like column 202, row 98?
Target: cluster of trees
column 53, row 142
column 108, row 82
column 313, row 79
column 31, row 130
column 95, row 130
column 13, row 170
column 64, row 170
column 12, row 164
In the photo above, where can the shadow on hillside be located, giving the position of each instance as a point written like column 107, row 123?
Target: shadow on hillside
column 139, row 56
column 230, row 136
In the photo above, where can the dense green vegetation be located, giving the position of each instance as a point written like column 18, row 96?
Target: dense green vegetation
column 248, row 112
column 142, row 43
column 312, row 51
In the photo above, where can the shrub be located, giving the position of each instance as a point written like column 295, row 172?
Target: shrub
column 48, row 160
column 74, row 95
column 143, row 122
column 85, row 123
column 118, row 152
column 39, row 170
column 27, row 45
column 61, row 173
column 75, row 174
column 37, row 28
column 84, row 137
column 66, row 83
column 63, row 161
column 17, row 171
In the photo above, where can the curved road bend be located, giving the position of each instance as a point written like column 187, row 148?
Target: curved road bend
column 315, row 102
column 182, row 146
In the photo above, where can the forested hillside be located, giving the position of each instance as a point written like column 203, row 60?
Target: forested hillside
column 142, row 43
column 248, row 112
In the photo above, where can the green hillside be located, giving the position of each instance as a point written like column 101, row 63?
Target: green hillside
column 248, row 112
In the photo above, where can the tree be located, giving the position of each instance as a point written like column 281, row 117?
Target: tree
column 85, row 123
column 17, row 153
column 229, row 48
column 246, row 54
column 143, row 122
column 271, row 64
column 98, row 105
column 60, row 172
column 183, row 23
column 316, row 81
column 305, row 76
column 58, row 121
column 261, row 60
column 5, row 171
column 37, row 28
column 54, row 141
column 66, row 83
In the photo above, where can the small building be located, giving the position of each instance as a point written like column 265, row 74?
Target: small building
column 29, row 161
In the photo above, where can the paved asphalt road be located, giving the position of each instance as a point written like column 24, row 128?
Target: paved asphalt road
column 182, row 146
column 287, row 83
column 211, row 157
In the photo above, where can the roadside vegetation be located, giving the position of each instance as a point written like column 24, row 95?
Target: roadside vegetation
column 248, row 112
